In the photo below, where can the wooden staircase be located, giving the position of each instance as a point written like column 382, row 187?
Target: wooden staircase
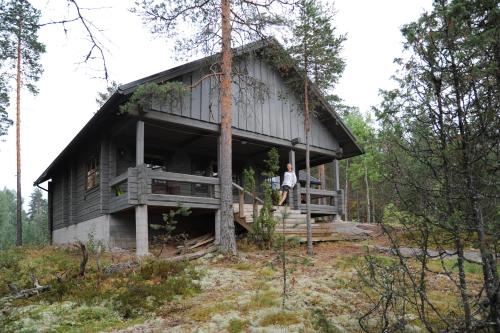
column 295, row 223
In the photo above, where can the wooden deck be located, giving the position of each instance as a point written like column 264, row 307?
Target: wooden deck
column 294, row 224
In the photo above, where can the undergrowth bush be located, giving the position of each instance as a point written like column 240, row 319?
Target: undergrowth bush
column 129, row 294
column 264, row 225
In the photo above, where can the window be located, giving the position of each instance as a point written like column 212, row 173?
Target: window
column 92, row 176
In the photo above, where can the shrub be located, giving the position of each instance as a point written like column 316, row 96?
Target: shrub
column 281, row 318
column 322, row 324
column 237, row 325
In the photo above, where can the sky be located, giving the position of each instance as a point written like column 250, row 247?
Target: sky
column 68, row 87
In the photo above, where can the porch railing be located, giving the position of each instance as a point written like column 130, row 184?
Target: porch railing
column 143, row 185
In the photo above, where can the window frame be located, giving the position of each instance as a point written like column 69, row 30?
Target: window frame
column 92, row 169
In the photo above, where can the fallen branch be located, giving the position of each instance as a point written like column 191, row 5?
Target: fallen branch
column 196, row 240
column 25, row 293
column 194, row 255
column 202, row 241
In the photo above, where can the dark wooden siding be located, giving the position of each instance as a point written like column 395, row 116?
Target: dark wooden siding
column 72, row 203
column 57, row 197
column 276, row 113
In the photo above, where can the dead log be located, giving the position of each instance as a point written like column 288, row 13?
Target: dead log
column 196, row 240
column 198, row 244
column 25, row 293
column 194, row 255
column 188, row 244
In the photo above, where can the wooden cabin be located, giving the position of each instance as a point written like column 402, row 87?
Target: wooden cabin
column 122, row 171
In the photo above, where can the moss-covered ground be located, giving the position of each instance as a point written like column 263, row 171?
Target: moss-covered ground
column 211, row 294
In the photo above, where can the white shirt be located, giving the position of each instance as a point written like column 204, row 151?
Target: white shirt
column 290, row 179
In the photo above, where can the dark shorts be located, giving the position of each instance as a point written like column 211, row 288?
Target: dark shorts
column 285, row 188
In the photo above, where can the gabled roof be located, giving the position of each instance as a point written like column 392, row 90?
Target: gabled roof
column 344, row 135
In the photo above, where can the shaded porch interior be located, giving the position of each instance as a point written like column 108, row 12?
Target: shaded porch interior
column 179, row 164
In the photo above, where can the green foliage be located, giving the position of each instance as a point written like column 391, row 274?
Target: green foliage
column 315, row 40
column 157, row 282
column 272, row 163
column 19, row 20
column 129, row 294
column 322, row 324
column 237, row 325
column 60, row 317
column 280, row 319
column 35, row 222
column 249, row 180
column 7, row 218
column 263, row 227
column 102, row 97
column 169, row 219
column 5, row 122
column 168, row 93
column 439, row 135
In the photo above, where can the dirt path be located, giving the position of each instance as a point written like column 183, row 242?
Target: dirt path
column 410, row 252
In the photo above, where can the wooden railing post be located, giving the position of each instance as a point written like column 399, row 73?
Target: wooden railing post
column 339, row 199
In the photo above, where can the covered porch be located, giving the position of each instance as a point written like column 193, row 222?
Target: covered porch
column 161, row 164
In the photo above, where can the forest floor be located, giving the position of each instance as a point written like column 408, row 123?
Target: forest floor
column 244, row 293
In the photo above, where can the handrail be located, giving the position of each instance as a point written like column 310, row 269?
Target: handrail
column 241, row 189
column 182, row 177
column 326, row 193
column 118, row 179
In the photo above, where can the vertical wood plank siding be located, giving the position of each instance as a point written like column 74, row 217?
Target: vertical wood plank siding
column 72, row 203
column 275, row 113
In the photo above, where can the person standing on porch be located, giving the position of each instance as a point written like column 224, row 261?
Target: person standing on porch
column 289, row 181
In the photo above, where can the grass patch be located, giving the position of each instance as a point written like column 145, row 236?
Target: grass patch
column 266, row 273
column 205, row 313
column 281, row 318
column 451, row 265
column 321, row 322
column 237, row 325
column 261, row 299
column 243, row 266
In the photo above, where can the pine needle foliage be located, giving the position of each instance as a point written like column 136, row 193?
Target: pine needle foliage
column 146, row 94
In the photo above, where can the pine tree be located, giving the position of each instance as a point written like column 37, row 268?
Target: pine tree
column 7, row 218
column 20, row 49
column 5, row 122
column 440, row 130
column 218, row 25
column 316, row 48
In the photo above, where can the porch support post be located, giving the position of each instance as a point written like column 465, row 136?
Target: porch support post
column 141, row 230
column 217, row 227
column 139, row 143
column 141, row 211
column 294, row 199
column 336, row 187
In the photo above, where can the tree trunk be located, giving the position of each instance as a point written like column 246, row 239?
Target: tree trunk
column 227, row 235
column 368, row 211
column 19, row 222
column 346, row 191
column 308, row 166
